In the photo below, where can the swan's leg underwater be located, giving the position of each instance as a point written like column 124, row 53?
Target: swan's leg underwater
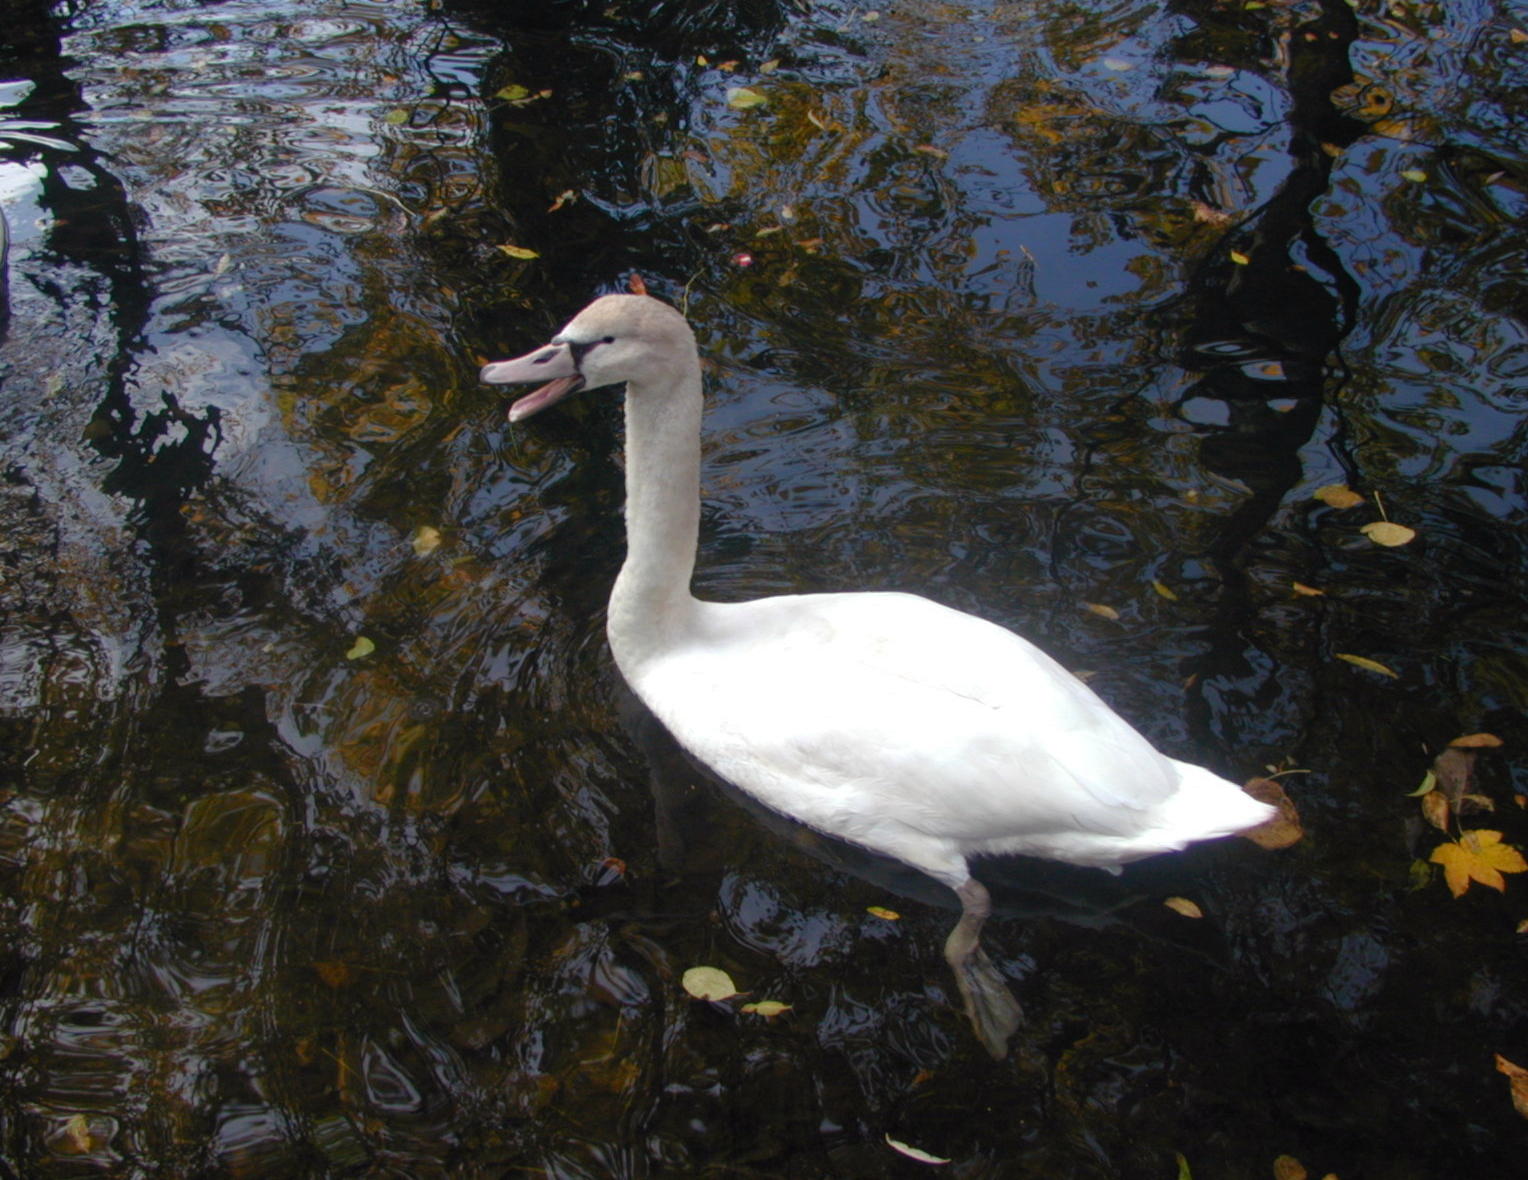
column 993, row 1011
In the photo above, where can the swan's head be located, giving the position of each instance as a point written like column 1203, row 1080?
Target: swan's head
column 616, row 338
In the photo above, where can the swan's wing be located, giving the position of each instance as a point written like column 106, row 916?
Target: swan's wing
column 845, row 704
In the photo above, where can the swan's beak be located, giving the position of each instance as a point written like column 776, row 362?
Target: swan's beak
column 552, row 360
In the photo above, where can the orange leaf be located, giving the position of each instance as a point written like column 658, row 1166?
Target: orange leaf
column 1283, row 829
column 1517, row 1078
column 1476, row 741
column 1478, row 856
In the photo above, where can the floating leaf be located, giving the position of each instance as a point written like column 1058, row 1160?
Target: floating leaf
column 1429, row 781
column 361, row 648
column 769, row 67
column 881, row 911
column 513, row 93
column 1164, row 590
column 1517, row 36
column 708, row 983
column 1478, row 856
column 1283, row 829
column 566, row 197
column 1415, row 175
column 1366, row 663
column 77, row 1132
column 929, row 149
column 1182, row 905
column 1338, row 495
column 1102, row 611
column 1118, row 64
column 1517, row 1077
column 1286, row 1167
column 523, row 252
column 768, row 1009
column 1183, row 1172
column 1436, row 809
column 1388, row 533
column 1420, row 875
column 1239, row 258
column 1476, row 741
column 1209, row 215
column 1307, row 591
column 744, row 98
column 914, row 1153
column 426, row 540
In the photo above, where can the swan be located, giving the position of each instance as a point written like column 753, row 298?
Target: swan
column 882, row 718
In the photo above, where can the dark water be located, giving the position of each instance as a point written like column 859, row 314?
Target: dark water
column 975, row 327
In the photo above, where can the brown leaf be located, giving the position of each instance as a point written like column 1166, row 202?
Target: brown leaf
column 1436, row 809
column 1102, row 611
column 1476, row 741
column 1182, row 905
column 1388, row 533
column 1338, row 495
column 1307, row 591
column 1286, row 1167
column 1517, row 1078
column 335, row 973
column 1366, row 663
column 1283, row 829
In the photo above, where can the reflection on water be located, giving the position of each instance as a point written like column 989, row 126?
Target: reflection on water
column 1023, row 307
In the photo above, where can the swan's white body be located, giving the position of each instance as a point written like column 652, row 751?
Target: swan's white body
column 884, row 719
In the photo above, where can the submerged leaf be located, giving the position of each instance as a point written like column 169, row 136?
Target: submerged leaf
column 1366, row 663
column 914, row 1153
column 1388, row 533
column 1337, row 495
column 1478, row 856
column 708, row 983
column 744, row 98
column 1517, row 1078
column 1283, row 829
column 768, row 1009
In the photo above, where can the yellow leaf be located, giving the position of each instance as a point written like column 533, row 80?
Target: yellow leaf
column 770, row 66
column 1182, row 905
column 513, row 93
column 1517, row 1078
column 1102, row 611
column 1476, row 741
column 77, row 1132
column 1338, row 495
column 519, row 252
column 1388, row 533
column 1429, row 783
column 397, row 117
column 1307, row 591
column 708, row 983
column 1366, row 663
column 914, row 1153
column 744, row 98
column 361, row 648
column 881, row 911
column 1164, row 590
column 1239, row 258
column 768, row 1009
column 1478, row 856
column 1517, row 36
column 426, row 539
column 1415, row 175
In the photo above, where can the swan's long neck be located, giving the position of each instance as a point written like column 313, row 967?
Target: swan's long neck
column 651, row 602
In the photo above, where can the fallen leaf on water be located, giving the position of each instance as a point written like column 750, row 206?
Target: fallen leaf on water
column 1183, row 1172
column 770, row 66
column 1415, row 175
column 1517, row 1078
column 1164, row 590
column 1388, row 533
column 708, row 983
column 1210, row 215
column 397, row 117
column 426, row 540
column 335, row 973
column 881, row 911
column 1429, row 781
column 768, row 1009
column 1182, row 905
column 1102, row 611
column 914, row 1153
column 1307, row 591
column 1517, row 36
column 1338, row 495
column 929, row 149
column 1118, row 64
column 77, row 1132
column 1286, row 1167
column 1239, row 258
column 1283, row 829
column 361, row 648
column 524, row 252
column 1366, row 663
column 744, row 98
column 1436, row 809
column 1476, row 741
column 1478, row 856
column 1522, row 927
column 566, row 197
column 513, row 92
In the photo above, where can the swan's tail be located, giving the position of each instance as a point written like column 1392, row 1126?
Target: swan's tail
column 1206, row 806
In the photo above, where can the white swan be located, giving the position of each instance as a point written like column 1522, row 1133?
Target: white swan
column 881, row 718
